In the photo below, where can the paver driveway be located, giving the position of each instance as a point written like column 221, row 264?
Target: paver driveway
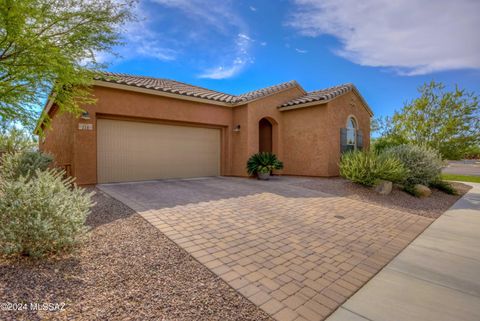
column 295, row 252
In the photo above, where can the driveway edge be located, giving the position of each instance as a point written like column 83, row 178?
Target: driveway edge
column 434, row 278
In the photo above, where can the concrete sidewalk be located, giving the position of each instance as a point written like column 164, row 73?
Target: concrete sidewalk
column 437, row 277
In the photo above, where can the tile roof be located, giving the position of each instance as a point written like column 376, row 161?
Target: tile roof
column 320, row 95
column 251, row 95
column 176, row 87
column 179, row 88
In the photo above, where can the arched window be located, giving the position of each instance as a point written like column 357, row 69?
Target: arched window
column 352, row 132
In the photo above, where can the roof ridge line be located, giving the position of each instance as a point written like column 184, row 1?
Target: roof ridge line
column 347, row 84
column 167, row 79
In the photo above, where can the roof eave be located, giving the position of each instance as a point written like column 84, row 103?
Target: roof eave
column 322, row 102
column 365, row 104
column 149, row 91
column 45, row 111
column 299, row 87
column 295, row 85
column 304, row 105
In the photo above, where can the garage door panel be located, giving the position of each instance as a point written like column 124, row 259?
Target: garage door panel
column 132, row 151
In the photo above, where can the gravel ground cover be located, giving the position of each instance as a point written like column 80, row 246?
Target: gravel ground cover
column 432, row 206
column 127, row 270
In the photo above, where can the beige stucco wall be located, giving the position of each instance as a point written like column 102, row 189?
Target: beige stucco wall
column 115, row 103
column 58, row 139
column 312, row 135
column 306, row 133
column 338, row 112
column 306, row 139
column 268, row 108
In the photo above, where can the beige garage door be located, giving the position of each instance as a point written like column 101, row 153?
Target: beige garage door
column 135, row 151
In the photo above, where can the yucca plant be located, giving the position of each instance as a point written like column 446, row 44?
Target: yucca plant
column 263, row 162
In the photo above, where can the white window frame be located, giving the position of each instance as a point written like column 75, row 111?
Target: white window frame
column 355, row 128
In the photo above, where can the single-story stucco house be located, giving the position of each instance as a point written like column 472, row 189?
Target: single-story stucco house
column 144, row 128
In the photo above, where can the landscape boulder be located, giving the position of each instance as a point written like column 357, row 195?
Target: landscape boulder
column 384, row 187
column 422, row 190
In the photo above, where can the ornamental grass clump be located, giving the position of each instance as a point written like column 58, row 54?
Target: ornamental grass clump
column 41, row 214
column 368, row 168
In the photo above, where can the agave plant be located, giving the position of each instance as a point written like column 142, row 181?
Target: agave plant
column 263, row 162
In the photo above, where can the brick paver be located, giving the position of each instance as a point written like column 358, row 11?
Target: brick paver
column 295, row 252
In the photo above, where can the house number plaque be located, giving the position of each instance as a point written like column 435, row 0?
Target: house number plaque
column 85, row 126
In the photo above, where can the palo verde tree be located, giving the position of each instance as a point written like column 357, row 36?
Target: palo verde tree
column 448, row 121
column 48, row 47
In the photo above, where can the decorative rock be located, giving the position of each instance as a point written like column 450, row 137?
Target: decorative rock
column 384, row 187
column 422, row 190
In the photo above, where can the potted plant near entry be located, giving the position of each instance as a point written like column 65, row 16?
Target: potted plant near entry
column 262, row 165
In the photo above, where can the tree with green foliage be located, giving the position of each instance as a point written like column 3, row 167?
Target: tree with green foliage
column 388, row 137
column 49, row 48
column 448, row 121
column 14, row 139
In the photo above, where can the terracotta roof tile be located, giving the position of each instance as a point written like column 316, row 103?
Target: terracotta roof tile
column 320, row 95
column 176, row 87
column 266, row 91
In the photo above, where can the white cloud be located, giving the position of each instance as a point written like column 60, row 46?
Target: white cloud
column 229, row 68
column 410, row 36
column 213, row 23
column 263, row 43
column 142, row 40
column 222, row 72
column 243, row 36
column 302, row 51
column 252, row 8
column 216, row 13
column 194, row 32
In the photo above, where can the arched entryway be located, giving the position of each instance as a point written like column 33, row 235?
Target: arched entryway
column 265, row 136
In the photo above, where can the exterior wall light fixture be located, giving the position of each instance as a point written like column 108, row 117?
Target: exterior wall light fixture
column 85, row 115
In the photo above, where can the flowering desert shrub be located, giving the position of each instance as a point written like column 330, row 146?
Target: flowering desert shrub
column 424, row 164
column 41, row 215
column 23, row 163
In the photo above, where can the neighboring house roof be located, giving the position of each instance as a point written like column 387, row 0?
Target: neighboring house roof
column 323, row 96
column 179, row 88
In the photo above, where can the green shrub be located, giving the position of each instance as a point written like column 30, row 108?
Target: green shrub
column 385, row 142
column 14, row 140
column 444, row 187
column 367, row 168
column 424, row 164
column 473, row 152
column 43, row 215
column 410, row 189
column 23, row 164
column 263, row 162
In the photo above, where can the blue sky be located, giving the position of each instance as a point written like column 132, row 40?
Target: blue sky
column 386, row 48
